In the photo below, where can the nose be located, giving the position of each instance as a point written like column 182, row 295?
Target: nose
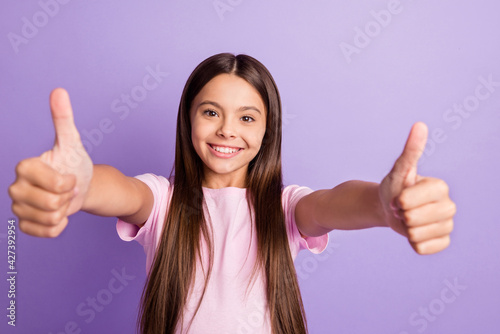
column 226, row 129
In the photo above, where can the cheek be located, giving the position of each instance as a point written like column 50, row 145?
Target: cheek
column 199, row 137
column 196, row 132
column 195, row 140
column 258, row 140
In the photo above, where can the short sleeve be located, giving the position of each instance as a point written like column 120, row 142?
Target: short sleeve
column 149, row 234
column 290, row 197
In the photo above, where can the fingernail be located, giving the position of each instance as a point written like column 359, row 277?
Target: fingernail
column 75, row 192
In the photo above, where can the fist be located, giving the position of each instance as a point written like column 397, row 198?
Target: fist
column 417, row 207
column 53, row 186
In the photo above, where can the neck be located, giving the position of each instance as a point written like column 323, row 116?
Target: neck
column 218, row 181
column 219, row 185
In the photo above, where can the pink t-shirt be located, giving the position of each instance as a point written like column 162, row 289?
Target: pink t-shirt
column 227, row 307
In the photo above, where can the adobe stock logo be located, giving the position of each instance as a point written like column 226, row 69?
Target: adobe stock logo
column 30, row 27
column 123, row 106
column 429, row 313
column 311, row 262
column 97, row 302
column 372, row 29
column 223, row 6
column 455, row 116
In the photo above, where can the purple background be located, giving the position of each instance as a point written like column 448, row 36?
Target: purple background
column 344, row 118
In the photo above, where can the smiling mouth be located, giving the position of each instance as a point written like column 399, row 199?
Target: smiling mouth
column 225, row 149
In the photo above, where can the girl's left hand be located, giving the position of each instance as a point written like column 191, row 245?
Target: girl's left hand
column 417, row 207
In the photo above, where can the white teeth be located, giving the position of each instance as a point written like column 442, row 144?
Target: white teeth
column 225, row 149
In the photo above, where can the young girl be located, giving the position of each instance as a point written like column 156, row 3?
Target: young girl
column 222, row 232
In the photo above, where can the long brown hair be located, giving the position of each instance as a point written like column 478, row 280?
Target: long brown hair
column 172, row 273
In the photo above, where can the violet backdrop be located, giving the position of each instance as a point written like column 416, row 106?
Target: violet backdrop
column 353, row 76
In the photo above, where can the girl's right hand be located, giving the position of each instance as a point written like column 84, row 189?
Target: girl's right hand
column 53, row 186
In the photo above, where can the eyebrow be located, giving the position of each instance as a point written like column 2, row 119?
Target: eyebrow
column 215, row 104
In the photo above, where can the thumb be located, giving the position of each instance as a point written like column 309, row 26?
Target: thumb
column 62, row 116
column 406, row 165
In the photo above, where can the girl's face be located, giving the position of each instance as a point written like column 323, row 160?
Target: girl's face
column 228, row 120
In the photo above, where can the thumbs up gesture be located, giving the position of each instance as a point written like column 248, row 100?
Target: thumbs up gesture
column 53, row 186
column 417, row 207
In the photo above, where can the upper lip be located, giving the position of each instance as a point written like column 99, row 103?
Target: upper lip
column 222, row 145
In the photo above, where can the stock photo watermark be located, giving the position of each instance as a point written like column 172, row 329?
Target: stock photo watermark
column 122, row 107
column 455, row 115
column 257, row 316
column 310, row 263
column 224, row 6
column 48, row 9
column 90, row 139
column 427, row 314
column 11, row 271
column 363, row 37
column 286, row 117
column 87, row 310
column 255, row 319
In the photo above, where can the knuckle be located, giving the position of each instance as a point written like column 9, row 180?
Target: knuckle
column 449, row 226
column 444, row 242
column 15, row 209
column 408, row 217
column 55, row 231
column 421, row 251
column 52, row 233
column 425, row 249
column 53, row 202
column 54, row 218
column 58, row 183
column 403, row 199
column 13, row 191
column 28, row 227
column 413, row 235
column 22, row 226
column 453, row 208
column 21, row 167
column 419, row 248
column 443, row 186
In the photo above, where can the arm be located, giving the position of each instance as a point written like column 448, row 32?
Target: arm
column 416, row 207
column 349, row 206
column 113, row 194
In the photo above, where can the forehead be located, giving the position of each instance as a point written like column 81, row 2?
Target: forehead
column 230, row 91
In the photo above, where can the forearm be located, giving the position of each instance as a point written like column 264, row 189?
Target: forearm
column 113, row 194
column 349, row 206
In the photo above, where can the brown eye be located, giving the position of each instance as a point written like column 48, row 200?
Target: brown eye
column 210, row 112
column 247, row 119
